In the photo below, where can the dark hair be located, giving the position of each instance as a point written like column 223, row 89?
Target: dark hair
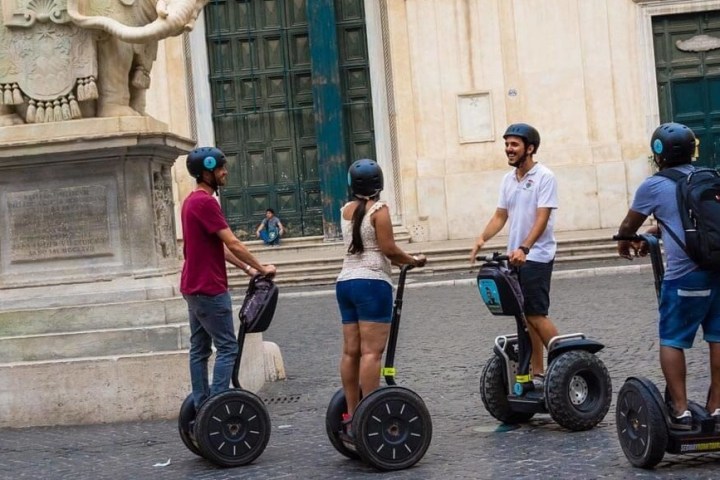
column 356, row 246
column 270, row 210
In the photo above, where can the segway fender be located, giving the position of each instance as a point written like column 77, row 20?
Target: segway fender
column 566, row 345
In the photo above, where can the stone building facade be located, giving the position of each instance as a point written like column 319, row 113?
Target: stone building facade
column 447, row 76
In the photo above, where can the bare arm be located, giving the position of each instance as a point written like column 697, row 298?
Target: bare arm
column 496, row 223
column 241, row 254
column 386, row 241
column 629, row 226
column 230, row 258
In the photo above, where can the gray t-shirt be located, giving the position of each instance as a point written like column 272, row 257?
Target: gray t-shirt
column 271, row 224
column 657, row 196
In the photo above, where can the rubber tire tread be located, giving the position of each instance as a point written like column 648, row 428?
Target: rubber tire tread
column 202, row 427
column 493, row 392
column 336, row 408
column 361, row 420
column 187, row 410
column 558, row 403
column 658, row 434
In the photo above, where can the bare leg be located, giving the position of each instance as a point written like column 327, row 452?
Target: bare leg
column 672, row 361
column 714, row 396
column 544, row 329
column 536, row 360
column 350, row 365
column 373, row 337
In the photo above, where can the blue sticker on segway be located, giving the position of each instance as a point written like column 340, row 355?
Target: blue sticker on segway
column 657, row 146
column 490, row 295
column 210, row 163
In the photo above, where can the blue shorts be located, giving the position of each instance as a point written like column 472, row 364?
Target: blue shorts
column 534, row 280
column 366, row 300
column 685, row 304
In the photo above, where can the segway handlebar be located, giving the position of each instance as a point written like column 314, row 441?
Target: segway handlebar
column 653, row 243
column 493, row 257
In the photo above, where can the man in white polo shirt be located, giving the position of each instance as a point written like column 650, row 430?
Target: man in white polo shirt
column 528, row 199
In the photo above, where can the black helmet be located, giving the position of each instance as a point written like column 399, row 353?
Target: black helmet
column 204, row 158
column 526, row 132
column 365, row 178
column 673, row 143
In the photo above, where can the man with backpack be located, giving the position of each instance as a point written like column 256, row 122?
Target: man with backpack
column 685, row 201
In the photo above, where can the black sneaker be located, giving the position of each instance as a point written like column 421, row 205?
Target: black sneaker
column 682, row 422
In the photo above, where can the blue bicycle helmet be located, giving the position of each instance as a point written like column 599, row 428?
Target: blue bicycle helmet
column 673, row 144
column 365, row 178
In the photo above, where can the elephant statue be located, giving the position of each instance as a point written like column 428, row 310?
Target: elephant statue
column 70, row 59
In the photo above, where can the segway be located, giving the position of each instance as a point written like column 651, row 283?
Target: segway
column 642, row 415
column 232, row 428
column 392, row 426
column 577, row 389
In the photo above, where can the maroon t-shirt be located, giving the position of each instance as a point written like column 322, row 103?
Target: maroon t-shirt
column 204, row 269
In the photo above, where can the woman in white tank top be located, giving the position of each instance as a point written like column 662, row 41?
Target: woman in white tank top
column 364, row 288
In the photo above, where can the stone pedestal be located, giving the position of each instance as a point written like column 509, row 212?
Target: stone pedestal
column 87, row 209
column 92, row 327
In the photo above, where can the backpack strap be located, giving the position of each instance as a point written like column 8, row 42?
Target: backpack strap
column 672, row 174
column 676, row 176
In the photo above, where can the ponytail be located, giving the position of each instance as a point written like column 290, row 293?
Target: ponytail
column 356, row 246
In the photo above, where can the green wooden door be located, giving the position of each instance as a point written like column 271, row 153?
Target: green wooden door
column 261, row 84
column 688, row 74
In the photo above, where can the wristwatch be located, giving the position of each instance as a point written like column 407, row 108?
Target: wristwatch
column 525, row 249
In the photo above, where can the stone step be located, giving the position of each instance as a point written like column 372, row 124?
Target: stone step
column 76, row 318
column 93, row 343
column 115, row 388
column 323, row 269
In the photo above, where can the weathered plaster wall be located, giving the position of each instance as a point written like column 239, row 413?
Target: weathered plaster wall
column 573, row 70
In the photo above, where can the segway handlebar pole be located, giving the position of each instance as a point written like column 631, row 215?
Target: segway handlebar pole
column 388, row 370
column 653, row 243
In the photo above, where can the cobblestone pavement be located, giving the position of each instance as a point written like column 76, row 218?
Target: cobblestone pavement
column 445, row 339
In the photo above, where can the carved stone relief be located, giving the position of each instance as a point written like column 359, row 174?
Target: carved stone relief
column 164, row 219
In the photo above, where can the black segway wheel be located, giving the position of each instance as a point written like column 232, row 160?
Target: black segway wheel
column 578, row 390
column 641, row 425
column 392, row 428
column 494, row 393
column 232, row 428
column 333, row 423
column 185, row 423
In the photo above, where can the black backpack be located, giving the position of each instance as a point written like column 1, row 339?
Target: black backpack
column 259, row 306
column 698, row 197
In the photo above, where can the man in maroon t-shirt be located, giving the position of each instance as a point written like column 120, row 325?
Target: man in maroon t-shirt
column 208, row 243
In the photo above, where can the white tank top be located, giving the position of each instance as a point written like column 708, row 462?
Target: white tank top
column 371, row 264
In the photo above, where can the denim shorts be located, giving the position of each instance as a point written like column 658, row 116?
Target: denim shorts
column 685, row 304
column 366, row 300
column 534, row 280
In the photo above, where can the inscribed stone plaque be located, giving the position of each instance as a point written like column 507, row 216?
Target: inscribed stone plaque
column 58, row 223
column 475, row 117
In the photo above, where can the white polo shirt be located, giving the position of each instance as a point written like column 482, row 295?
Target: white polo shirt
column 521, row 198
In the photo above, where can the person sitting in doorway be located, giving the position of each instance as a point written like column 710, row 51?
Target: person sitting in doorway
column 270, row 229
